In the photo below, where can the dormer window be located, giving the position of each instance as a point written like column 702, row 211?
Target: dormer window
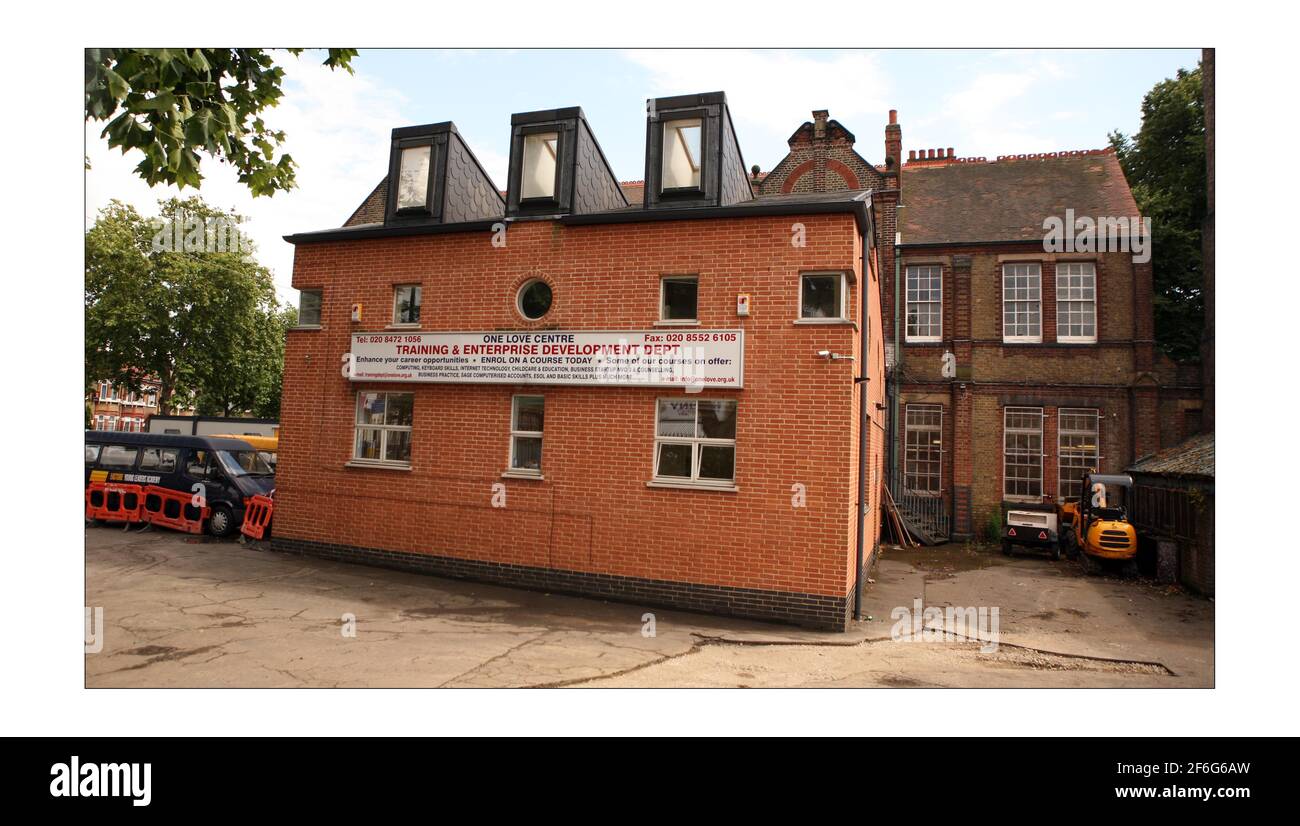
column 541, row 154
column 413, row 180
column 557, row 167
column 681, row 156
column 434, row 178
column 692, row 157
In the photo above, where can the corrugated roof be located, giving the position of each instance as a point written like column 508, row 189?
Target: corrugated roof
column 1194, row 457
column 1007, row 199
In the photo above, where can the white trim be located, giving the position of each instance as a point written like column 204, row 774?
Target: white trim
column 1083, row 272
column 384, row 430
column 1022, row 339
column 1090, row 460
column 511, row 470
column 908, row 301
column 696, row 443
column 908, row 427
column 844, row 297
column 1027, row 455
column 722, row 488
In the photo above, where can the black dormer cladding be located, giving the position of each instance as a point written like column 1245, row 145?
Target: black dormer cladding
column 459, row 190
column 723, row 178
column 584, row 182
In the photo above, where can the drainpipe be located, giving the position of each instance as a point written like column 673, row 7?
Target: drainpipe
column 898, row 364
column 864, row 434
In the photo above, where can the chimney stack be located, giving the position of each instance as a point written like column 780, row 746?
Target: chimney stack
column 819, row 123
column 893, row 146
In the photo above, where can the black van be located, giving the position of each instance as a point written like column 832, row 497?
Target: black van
column 230, row 470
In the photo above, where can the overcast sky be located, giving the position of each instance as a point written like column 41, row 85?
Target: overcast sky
column 978, row 102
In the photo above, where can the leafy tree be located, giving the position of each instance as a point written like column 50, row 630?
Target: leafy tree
column 253, row 388
column 1165, row 166
column 189, row 314
column 171, row 104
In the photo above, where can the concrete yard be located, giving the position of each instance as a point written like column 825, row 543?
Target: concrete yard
column 192, row 611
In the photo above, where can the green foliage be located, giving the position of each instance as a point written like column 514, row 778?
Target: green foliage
column 993, row 527
column 1165, row 165
column 172, row 104
column 205, row 323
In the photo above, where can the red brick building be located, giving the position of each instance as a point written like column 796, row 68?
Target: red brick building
column 1011, row 368
column 113, row 407
column 677, row 401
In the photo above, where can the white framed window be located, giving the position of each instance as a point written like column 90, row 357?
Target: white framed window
column 406, row 305
column 679, row 298
column 413, row 178
column 1022, row 453
column 1076, row 302
column 681, row 158
column 1078, row 448
column 105, row 391
column 527, row 419
column 695, row 441
column 309, row 308
column 539, row 165
column 923, row 449
column 925, row 303
column 383, row 428
column 822, row 296
column 1022, row 302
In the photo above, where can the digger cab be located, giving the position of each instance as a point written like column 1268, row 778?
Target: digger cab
column 1102, row 529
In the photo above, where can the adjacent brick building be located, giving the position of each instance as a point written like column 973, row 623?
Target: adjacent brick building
column 750, row 488
column 1011, row 368
column 114, row 407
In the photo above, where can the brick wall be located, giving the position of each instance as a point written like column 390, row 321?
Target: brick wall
column 592, row 517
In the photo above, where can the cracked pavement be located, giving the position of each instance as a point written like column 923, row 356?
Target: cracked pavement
column 182, row 611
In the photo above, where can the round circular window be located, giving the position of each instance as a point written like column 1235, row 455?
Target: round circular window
column 534, row 299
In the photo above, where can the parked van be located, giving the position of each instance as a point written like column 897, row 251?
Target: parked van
column 230, row 470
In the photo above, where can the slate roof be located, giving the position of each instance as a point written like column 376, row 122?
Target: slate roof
column 1007, row 199
column 1194, row 457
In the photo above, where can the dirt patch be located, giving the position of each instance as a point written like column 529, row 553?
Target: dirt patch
column 946, row 561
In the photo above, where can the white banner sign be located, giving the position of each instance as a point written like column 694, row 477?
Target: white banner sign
column 640, row 358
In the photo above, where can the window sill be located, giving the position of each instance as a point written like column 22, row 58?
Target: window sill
column 520, row 474
column 1083, row 341
column 1022, row 341
column 658, row 483
column 302, row 327
column 923, row 340
column 376, row 465
column 686, row 322
column 827, row 322
column 402, row 327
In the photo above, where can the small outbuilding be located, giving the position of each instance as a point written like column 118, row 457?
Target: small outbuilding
column 1173, row 504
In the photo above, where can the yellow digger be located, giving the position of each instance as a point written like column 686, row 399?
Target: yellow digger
column 1095, row 527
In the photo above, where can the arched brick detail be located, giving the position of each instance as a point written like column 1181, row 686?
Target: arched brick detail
column 844, row 172
column 799, row 171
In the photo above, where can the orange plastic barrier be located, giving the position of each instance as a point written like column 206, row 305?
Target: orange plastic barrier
column 173, row 509
column 257, row 515
column 115, row 503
